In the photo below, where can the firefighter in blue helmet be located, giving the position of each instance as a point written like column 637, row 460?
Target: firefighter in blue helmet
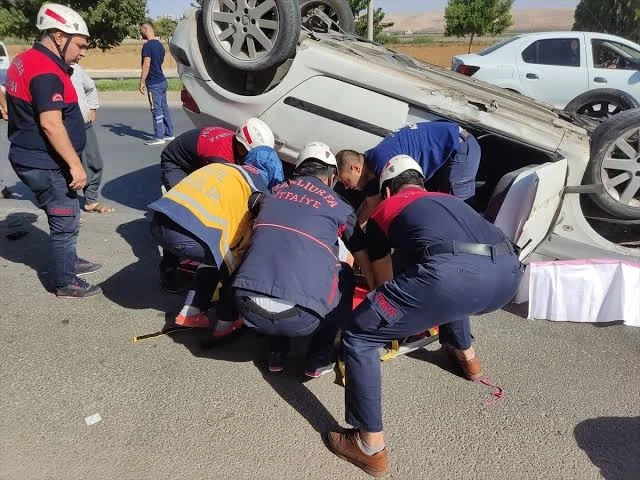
column 291, row 282
column 448, row 155
column 206, row 218
column 458, row 265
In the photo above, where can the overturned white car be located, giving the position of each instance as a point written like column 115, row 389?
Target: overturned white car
column 559, row 188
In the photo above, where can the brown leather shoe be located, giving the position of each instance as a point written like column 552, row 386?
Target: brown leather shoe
column 472, row 369
column 345, row 445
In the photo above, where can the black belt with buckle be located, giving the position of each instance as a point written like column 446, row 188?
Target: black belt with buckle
column 481, row 249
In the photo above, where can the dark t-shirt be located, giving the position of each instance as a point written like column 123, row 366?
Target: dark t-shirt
column 155, row 51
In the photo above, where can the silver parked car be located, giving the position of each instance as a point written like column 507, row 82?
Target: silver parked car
column 558, row 190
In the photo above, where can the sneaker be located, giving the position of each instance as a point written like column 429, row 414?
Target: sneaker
column 168, row 139
column 345, row 445
column 85, row 267
column 315, row 372
column 201, row 320
column 155, row 141
column 78, row 289
column 275, row 362
column 226, row 328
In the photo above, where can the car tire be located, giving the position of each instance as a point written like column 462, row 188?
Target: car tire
column 252, row 38
column 615, row 163
column 337, row 10
column 602, row 103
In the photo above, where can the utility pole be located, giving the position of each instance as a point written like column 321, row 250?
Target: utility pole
column 370, row 20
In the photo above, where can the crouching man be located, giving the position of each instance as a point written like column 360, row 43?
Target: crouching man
column 206, row 218
column 462, row 265
column 291, row 282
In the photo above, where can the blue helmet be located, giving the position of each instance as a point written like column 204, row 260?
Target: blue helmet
column 266, row 160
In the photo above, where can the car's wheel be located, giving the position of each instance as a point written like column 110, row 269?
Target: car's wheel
column 615, row 163
column 327, row 15
column 602, row 103
column 252, row 35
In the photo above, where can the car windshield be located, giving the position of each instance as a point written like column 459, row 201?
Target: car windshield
column 498, row 45
column 3, row 52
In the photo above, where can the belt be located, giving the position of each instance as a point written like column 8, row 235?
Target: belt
column 481, row 249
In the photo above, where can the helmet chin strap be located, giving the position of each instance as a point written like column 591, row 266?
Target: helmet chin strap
column 61, row 51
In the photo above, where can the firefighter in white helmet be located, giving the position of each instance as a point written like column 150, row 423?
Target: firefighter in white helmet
column 291, row 282
column 47, row 135
column 457, row 265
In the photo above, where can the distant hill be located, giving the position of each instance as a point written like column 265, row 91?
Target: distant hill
column 537, row 19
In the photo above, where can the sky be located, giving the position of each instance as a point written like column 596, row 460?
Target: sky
column 177, row 7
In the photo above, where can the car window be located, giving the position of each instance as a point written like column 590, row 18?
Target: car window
column 498, row 45
column 554, row 51
column 614, row 55
column 3, row 52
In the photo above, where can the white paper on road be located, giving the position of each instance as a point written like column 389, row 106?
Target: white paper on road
column 585, row 291
column 93, row 419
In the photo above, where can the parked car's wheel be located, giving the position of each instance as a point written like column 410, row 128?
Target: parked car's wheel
column 252, row 35
column 338, row 11
column 602, row 103
column 615, row 163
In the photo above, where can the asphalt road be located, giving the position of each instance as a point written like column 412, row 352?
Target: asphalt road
column 172, row 409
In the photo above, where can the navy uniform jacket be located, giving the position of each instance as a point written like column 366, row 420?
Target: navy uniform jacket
column 293, row 254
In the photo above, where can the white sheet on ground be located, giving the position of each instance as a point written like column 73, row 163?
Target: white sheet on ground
column 585, row 291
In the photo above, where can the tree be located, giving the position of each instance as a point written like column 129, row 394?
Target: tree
column 359, row 9
column 617, row 17
column 164, row 28
column 477, row 17
column 109, row 21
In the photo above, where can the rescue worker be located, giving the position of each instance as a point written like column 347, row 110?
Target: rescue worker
column 206, row 218
column 291, row 282
column 195, row 149
column 448, row 155
column 461, row 265
column 198, row 147
column 47, row 136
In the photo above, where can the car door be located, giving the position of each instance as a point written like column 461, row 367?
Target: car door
column 553, row 70
column 614, row 64
column 335, row 112
column 531, row 203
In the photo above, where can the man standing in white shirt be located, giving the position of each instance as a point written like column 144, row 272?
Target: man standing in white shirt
column 91, row 157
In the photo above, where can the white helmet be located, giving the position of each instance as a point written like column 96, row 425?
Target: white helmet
column 318, row 151
column 53, row 16
column 255, row 133
column 397, row 165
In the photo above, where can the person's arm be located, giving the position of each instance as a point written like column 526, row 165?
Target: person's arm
column 379, row 251
column 355, row 241
column 55, row 131
column 47, row 93
column 91, row 93
column 146, row 64
column 4, row 111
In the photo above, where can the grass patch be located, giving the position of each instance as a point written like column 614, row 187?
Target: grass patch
column 132, row 85
column 400, row 40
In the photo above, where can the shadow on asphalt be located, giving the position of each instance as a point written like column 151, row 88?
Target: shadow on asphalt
column 135, row 189
column 137, row 286
column 439, row 358
column 612, row 444
column 23, row 242
column 122, row 130
column 246, row 346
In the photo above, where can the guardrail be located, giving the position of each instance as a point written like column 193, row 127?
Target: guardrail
column 111, row 74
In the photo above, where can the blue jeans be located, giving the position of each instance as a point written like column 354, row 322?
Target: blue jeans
column 458, row 174
column 442, row 290
column 162, row 123
column 51, row 188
